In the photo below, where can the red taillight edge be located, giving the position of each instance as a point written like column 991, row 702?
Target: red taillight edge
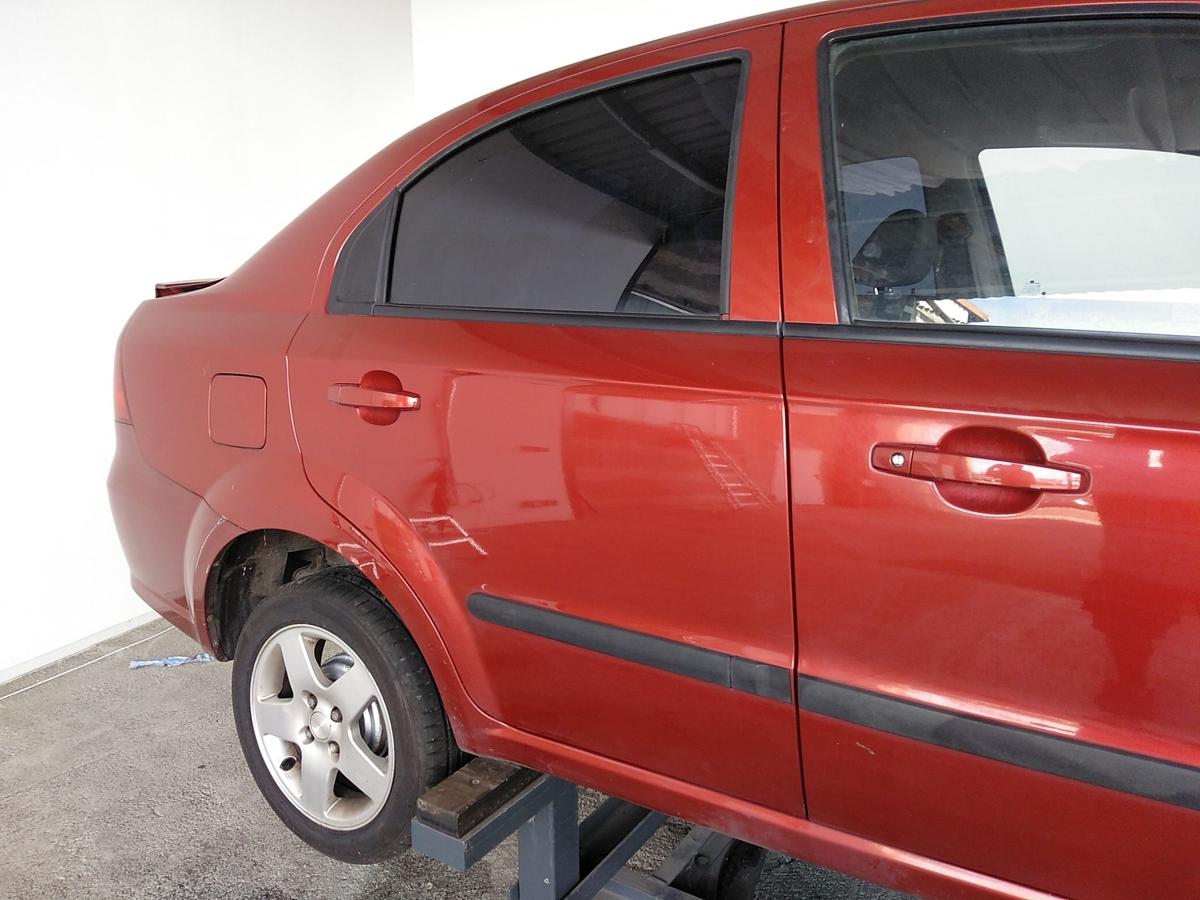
column 120, row 403
column 172, row 288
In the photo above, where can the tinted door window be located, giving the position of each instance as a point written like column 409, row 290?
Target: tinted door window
column 615, row 202
column 877, row 191
column 1057, row 170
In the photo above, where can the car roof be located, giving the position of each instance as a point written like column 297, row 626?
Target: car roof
column 810, row 10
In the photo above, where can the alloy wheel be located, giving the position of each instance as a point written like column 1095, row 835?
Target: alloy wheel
column 322, row 727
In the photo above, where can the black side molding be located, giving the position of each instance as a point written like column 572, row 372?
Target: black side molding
column 1130, row 773
column 700, row 663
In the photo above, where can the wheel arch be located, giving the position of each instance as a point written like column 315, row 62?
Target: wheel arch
column 252, row 564
column 249, row 569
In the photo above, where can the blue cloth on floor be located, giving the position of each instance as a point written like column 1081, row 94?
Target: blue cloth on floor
column 169, row 662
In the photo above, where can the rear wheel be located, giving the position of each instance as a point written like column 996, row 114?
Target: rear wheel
column 338, row 716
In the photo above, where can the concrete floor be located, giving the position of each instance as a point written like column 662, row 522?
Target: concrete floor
column 130, row 783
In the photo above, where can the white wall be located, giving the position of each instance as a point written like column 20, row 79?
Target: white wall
column 465, row 48
column 143, row 141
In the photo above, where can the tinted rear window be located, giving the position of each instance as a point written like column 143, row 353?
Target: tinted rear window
column 615, row 202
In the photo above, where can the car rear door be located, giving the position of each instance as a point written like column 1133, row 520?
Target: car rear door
column 583, row 467
column 993, row 395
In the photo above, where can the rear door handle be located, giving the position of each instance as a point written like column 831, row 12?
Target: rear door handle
column 372, row 398
column 934, row 465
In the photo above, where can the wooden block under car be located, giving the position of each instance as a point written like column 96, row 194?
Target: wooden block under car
column 471, row 794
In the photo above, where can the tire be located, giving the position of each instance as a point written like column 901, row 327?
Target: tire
column 303, row 751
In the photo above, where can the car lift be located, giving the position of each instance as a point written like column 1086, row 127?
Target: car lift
column 468, row 815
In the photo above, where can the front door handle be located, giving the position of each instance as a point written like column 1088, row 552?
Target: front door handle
column 936, row 465
column 372, row 398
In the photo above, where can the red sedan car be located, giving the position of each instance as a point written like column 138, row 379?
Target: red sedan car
column 793, row 426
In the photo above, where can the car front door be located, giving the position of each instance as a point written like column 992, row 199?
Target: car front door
column 994, row 412
column 590, row 497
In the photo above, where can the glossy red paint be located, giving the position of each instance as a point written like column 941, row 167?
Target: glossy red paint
column 120, row 401
column 597, row 493
column 237, row 411
column 538, row 511
column 1068, row 612
column 1063, row 616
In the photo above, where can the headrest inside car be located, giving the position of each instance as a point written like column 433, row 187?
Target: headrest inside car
column 901, row 250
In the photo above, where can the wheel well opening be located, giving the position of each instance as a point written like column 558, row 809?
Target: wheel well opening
column 253, row 567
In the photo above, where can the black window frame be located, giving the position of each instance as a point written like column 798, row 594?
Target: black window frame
column 718, row 321
column 334, row 304
column 1024, row 339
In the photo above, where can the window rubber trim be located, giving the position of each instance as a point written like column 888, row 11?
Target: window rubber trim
column 1024, row 340
column 634, row 321
column 1047, row 340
